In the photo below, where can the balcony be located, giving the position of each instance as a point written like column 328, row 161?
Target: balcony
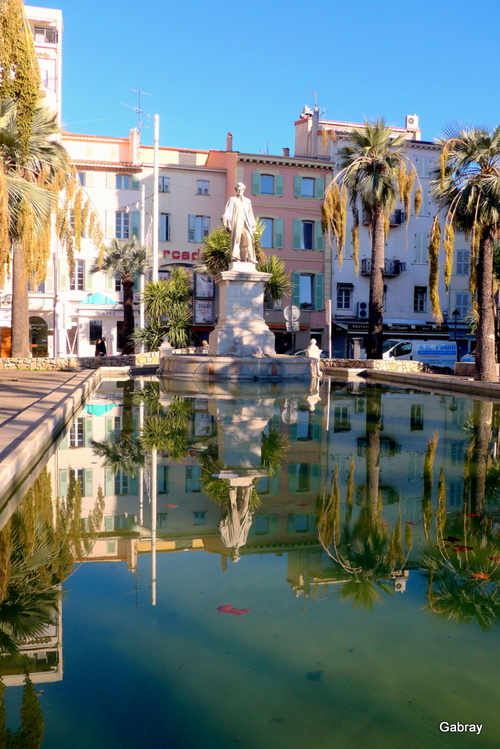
column 397, row 218
column 391, row 267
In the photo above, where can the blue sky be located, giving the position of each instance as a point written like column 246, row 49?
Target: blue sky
column 215, row 66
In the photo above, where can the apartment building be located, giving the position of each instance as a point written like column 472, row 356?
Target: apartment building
column 407, row 311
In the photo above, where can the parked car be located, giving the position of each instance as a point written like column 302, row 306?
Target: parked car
column 323, row 355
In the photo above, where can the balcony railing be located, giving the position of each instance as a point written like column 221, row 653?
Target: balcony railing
column 391, row 267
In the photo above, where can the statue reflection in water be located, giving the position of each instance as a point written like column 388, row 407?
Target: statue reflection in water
column 236, row 522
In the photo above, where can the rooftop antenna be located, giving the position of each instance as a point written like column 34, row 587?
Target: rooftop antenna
column 265, row 150
column 315, row 97
column 138, row 109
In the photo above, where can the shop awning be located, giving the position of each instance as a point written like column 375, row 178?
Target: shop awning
column 98, row 298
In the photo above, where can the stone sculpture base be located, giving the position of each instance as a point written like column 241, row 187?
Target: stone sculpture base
column 241, row 329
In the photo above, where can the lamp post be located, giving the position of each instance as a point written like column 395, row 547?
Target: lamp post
column 456, row 314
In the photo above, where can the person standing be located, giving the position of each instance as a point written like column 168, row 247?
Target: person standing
column 102, row 347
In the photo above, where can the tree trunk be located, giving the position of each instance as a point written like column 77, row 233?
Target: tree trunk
column 128, row 316
column 486, row 365
column 478, row 466
column 376, row 302
column 20, row 310
column 373, row 430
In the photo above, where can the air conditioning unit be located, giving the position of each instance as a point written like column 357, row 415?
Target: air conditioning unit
column 362, row 313
column 397, row 217
column 411, row 122
column 400, row 581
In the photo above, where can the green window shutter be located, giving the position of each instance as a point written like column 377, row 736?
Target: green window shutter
column 49, row 278
column 110, row 282
column 274, row 484
column 191, row 227
column 278, row 186
column 292, row 477
column 293, row 433
column 278, row 233
column 297, row 233
column 135, row 223
column 255, row 183
column 135, row 182
column 318, row 243
column 134, row 486
column 88, row 490
column 63, row 482
column 291, row 524
column 63, row 274
column 110, row 428
column 109, row 482
column 320, row 188
column 110, row 180
column 316, row 430
column 297, row 186
column 273, row 524
column 318, row 291
column 87, row 425
column 296, row 289
column 109, row 523
column 314, row 468
column 63, row 445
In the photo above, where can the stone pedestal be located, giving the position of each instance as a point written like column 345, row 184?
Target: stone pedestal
column 241, row 329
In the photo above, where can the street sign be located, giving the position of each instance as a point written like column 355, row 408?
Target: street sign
column 292, row 327
column 291, row 313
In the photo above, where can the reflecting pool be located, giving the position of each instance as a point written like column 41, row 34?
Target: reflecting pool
column 257, row 569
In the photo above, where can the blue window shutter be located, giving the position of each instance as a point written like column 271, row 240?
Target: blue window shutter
column 109, row 523
column 278, row 233
column 63, row 482
column 273, row 524
column 297, row 233
column 297, row 186
column 274, row 484
column 134, row 486
column 292, row 477
column 135, row 182
column 320, row 188
column 278, row 186
column 135, row 223
column 291, row 524
column 88, row 489
column 296, row 289
column 255, row 183
column 318, row 243
column 318, row 291
column 293, row 433
column 88, row 430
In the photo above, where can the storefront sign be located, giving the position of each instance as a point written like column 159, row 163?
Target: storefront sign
column 181, row 255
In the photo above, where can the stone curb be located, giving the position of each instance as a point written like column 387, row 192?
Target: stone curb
column 26, row 437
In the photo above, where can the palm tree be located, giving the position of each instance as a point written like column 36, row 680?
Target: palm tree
column 166, row 304
column 31, row 184
column 125, row 259
column 374, row 173
column 468, row 189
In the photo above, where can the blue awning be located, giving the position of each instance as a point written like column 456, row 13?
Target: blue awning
column 99, row 409
column 98, row 298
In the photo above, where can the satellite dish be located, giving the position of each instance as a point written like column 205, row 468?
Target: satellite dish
column 291, row 313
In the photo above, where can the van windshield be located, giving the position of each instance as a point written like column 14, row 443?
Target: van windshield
column 386, row 345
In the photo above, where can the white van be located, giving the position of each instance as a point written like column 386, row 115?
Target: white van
column 442, row 354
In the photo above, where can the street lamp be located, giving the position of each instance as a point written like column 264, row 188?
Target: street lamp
column 456, row 314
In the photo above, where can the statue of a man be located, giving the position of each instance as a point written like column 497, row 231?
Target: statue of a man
column 238, row 218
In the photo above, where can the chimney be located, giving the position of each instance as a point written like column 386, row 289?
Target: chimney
column 229, row 142
column 286, row 153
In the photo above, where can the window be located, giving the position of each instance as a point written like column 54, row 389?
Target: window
column 164, row 184
column 419, row 298
column 421, row 248
column 261, row 525
column 199, row 518
column 76, row 433
column 272, row 236
column 203, row 187
column 162, row 479
column 84, row 478
column 303, row 477
column 462, row 303
column 126, row 182
column 267, row 184
column 344, row 295
column 415, row 466
column 416, row 418
column 95, row 330
column 456, row 452
column 82, row 178
column 122, row 225
column 308, row 187
column 110, row 547
column 455, row 494
column 77, row 280
column 341, row 419
column 308, row 290
column 45, row 35
column 307, row 235
column 121, row 483
column 463, row 262
column 161, row 519
column 164, row 227
column 118, row 283
column 198, row 228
